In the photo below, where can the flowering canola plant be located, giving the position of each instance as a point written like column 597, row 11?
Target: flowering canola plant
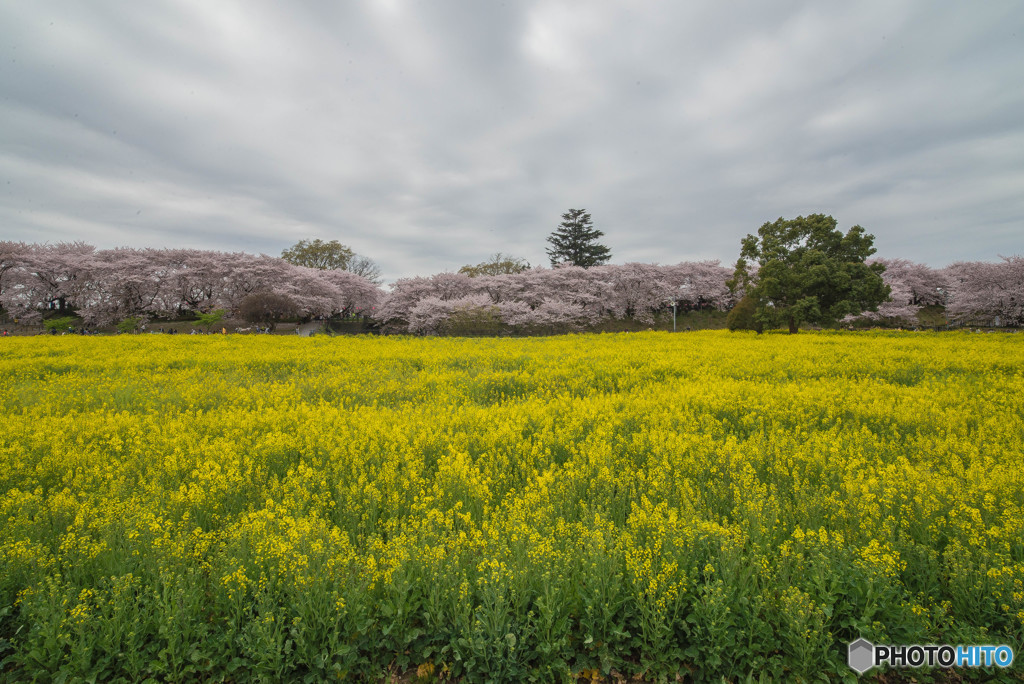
column 706, row 504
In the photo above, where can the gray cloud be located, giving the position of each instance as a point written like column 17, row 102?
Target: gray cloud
column 429, row 135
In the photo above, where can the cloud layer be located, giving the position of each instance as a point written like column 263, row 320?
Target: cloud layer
column 429, row 135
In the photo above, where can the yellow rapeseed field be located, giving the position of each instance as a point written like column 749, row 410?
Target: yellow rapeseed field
column 707, row 504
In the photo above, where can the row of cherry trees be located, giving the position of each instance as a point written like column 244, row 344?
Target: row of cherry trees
column 559, row 298
column 105, row 286
column 977, row 292
column 570, row 297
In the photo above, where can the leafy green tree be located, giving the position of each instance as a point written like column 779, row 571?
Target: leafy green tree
column 208, row 320
column 498, row 264
column 808, row 271
column 130, row 324
column 63, row 323
column 575, row 241
column 319, row 254
column 742, row 316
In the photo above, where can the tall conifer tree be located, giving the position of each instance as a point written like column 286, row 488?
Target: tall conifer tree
column 575, row 241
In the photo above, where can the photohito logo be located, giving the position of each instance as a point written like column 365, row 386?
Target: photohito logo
column 862, row 655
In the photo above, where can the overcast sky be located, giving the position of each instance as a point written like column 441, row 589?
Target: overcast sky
column 428, row 135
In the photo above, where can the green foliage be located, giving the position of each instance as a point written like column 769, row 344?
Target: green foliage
column 809, row 272
column 60, row 324
column 506, row 510
column 129, row 325
column 742, row 316
column 498, row 264
column 575, row 241
column 319, row 254
column 208, row 320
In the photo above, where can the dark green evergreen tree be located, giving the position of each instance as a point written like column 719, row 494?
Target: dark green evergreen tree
column 575, row 241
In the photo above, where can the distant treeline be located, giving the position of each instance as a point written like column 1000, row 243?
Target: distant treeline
column 103, row 287
column 106, row 286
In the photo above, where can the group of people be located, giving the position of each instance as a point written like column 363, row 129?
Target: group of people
column 74, row 331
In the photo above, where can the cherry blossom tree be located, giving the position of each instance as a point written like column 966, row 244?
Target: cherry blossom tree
column 19, row 290
column 634, row 290
column 396, row 311
column 164, row 266
column 45, row 277
column 245, row 274
column 431, row 315
column 198, row 282
column 12, row 255
column 986, row 293
column 702, row 284
column 356, row 294
column 315, row 296
column 553, row 316
column 117, row 284
column 912, row 287
column 581, row 287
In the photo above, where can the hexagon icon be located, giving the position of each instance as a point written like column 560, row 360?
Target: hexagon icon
column 861, row 656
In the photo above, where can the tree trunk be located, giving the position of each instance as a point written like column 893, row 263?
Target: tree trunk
column 792, row 326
